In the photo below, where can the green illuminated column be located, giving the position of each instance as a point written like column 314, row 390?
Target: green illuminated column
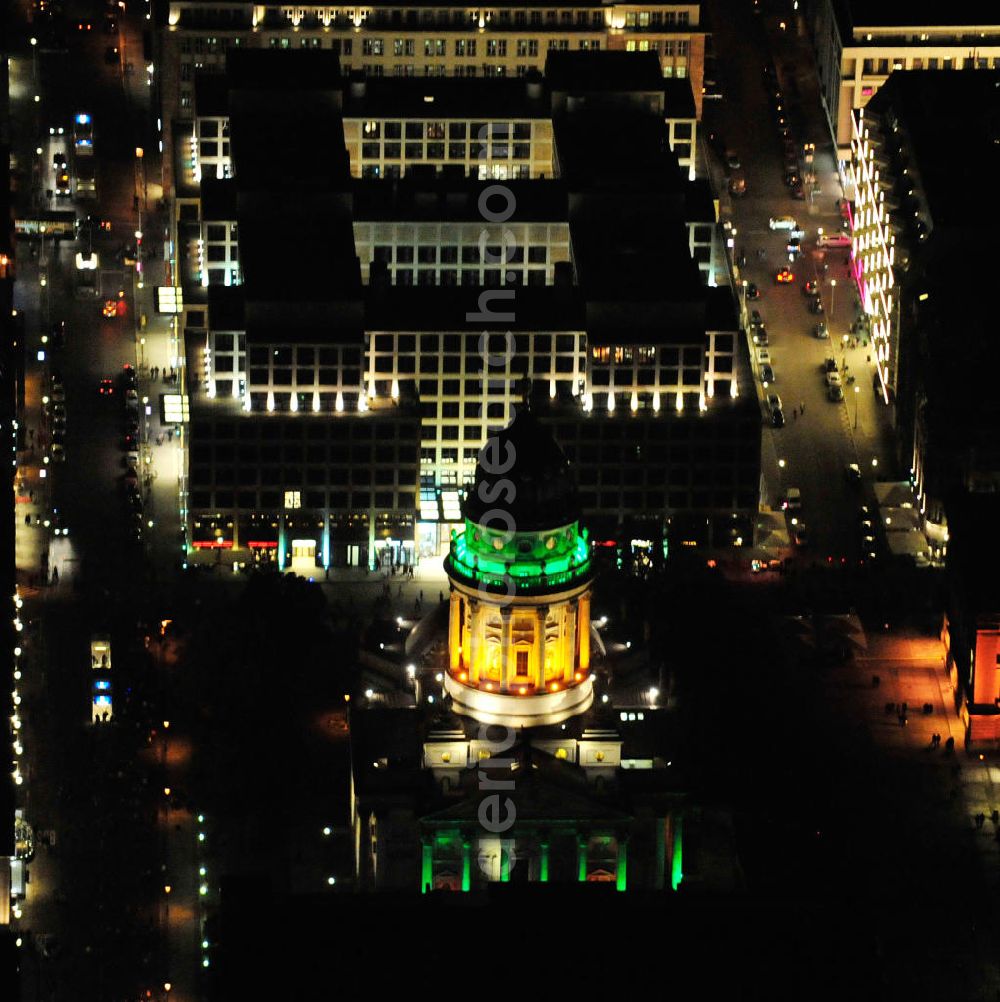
column 677, row 865
column 466, row 865
column 581, row 858
column 504, row 863
column 543, row 873
column 427, row 868
column 620, row 875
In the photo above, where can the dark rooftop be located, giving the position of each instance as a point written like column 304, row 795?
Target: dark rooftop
column 584, row 72
column 952, row 122
column 446, row 200
column 921, row 13
column 443, row 308
column 283, row 71
column 452, row 97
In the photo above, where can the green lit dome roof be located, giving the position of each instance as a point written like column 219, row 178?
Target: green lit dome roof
column 543, row 496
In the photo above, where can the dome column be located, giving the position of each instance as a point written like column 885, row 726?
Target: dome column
column 569, row 641
column 583, row 646
column 454, row 632
column 475, row 639
column 542, row 615
column 506, row 671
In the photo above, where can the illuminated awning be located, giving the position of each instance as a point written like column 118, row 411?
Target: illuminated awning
column 174, row 408
column 169, row 299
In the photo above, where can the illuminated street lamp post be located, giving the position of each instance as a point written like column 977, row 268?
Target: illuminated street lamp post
column 34, row 59
column 833, row 292
column 857, row 390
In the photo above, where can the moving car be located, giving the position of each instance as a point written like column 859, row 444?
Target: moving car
column 106, row 387
column 784, row 276
column 833, row 378
column 816, row 305
column 853, row 474
column 820, row 331
column 800, row 534
column 732, row 160
column 752, row 291
column 783, row 223
column 810, row 289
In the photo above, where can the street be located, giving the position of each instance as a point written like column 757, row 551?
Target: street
column 818, row 440
column 96, row 787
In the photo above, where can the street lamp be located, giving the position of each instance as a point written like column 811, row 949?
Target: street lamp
column 34, row 58
column 833, row 292
column 857, row 390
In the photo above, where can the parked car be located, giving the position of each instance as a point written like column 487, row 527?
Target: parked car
column 833, row 240
column 752, row 291
column 763, row 356
column 835, row 393
column 820, row 331
column 829, row 365
column 760, row 336
column 792, row 501
column 816, row 305
column 766, row 375
column 853, row 473
column 833, row 378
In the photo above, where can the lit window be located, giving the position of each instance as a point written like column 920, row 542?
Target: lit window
column 293, row 499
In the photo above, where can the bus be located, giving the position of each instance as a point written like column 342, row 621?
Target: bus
column 55, row 223
column 83, row 134
column 100, row 652
column 86, row 178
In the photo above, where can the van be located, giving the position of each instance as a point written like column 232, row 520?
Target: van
column 833, row 240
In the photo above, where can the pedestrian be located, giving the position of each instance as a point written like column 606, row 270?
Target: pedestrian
column 802, row 407
column 27, row 520
column 441, row 597
column 795, row 414
column 421, row 594
column 31, row 495
column 31, row 434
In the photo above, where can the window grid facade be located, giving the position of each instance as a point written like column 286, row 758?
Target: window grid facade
column 450, row 253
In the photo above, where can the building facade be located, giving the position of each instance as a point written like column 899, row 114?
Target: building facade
column 859, row 44
column 398, row 300
column 420, row 40
column 923, row 151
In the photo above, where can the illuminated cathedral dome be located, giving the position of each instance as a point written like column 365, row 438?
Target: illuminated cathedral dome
column 520, row 573
column 525, row 456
